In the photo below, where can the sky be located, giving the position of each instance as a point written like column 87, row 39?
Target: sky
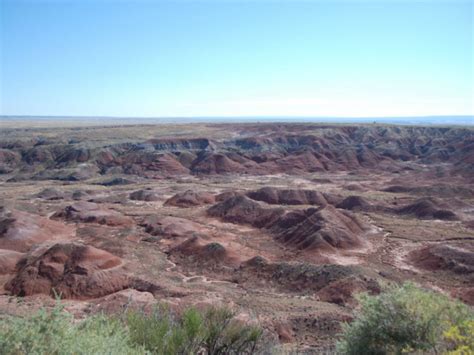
column 236, row 58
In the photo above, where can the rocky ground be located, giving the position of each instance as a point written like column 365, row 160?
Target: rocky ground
column 283, row 222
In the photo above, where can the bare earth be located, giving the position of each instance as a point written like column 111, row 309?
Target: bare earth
column 283, row 222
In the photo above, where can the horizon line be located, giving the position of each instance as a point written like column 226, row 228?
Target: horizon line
column 230, row 116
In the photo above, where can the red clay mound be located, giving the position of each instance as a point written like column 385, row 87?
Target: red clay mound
column 443, row 257
column 153, row 164
column 397, row 189
column 331, row 283
column 227, row 194
column 354, row 203
column 144, row 195
column 242, row 210
column 19, row 231
column 324, row 228
column 89, row 212
column 170, row 227
column 212, row 163
column 190, row 198
column 51, row 194
column 295, row 163
column 276, row 196
column 427, row 208
column 194, row 250
column 341, row 291
column 71, row 270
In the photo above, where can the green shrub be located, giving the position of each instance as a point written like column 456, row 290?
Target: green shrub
column 401, row 320
column 161, row 333
column 460, row 338
column 56, row 332
column 212, row 332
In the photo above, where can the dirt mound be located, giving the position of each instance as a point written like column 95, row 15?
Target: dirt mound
column 341, row 291
column 295, row 163
column 152, row 164
column 325, row 228
column 227, row 194
column 19, row 231
column 195, row 251
column 81, row 195
column 190, row 198
column 215, row 163
column 397, row 189
column 427, row 208
column 275, row 196
column 242, row 210
column 443, row 257
column 331, row 283
column 355, row 203
column 51, row 194
column 71, row 270
column 89, row 212
column 144, row 195
column 170, row 227
column 354, row 187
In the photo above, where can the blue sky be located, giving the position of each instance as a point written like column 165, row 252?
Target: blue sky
column 237, row 58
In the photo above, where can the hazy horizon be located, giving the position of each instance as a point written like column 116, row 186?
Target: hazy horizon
column 237, row 58
column 111, row 120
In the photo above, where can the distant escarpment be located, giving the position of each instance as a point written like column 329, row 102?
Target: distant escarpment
column 258, row 149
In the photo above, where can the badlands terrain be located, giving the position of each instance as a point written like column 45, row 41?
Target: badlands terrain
column 282, row 222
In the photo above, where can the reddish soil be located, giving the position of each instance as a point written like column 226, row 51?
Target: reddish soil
column 284, row 223
column 190, row 199
column 19, row 231
column 444, row 257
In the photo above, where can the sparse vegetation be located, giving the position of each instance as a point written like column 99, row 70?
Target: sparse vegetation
column 212, row 332
column 56, row 332
column 408, row 319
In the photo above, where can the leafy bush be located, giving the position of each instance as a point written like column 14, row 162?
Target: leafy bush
column 56, row 332
column 212, row 332
column 405, row 319
column 461, row 338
